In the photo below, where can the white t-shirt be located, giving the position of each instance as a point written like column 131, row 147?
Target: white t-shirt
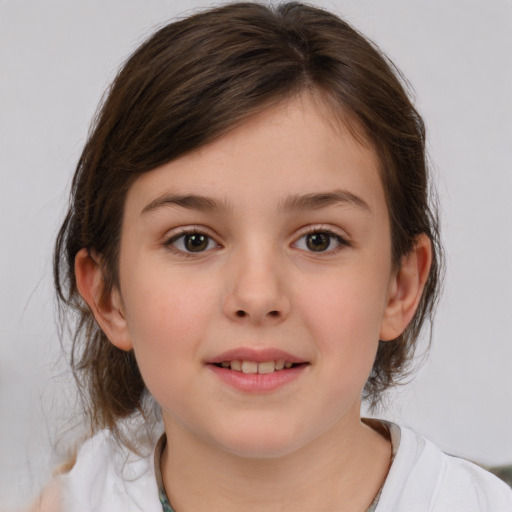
column 424, row 479
column 107, row 478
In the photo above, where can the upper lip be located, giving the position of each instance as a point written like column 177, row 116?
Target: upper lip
column 260, row 355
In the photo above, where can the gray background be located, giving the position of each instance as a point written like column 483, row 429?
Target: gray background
column 56, row 58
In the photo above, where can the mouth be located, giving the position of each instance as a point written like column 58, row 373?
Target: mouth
column 262, row 368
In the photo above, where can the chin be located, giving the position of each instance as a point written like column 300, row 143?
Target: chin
column 261, row 444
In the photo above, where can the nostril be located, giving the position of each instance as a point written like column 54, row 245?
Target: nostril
column 242, row 314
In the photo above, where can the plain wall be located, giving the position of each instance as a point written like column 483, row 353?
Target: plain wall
column 56, row 58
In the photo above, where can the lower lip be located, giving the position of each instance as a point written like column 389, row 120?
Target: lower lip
column 258, row 382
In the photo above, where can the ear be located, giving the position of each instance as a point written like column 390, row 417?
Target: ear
column 406, row 288
column 106, row 308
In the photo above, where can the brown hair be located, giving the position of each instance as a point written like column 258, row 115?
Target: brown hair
column 188, row 84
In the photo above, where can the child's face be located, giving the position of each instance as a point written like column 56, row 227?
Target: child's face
column 272, row 243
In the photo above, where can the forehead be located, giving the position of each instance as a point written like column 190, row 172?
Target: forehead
column 297, row 147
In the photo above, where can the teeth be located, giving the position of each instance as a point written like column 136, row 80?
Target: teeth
column 249, row 367
column 236, row 365
column 280, row 365
column 254, row 367
column 267, row 367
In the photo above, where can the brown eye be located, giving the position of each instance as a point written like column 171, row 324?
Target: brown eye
column 195, row 242
column 191, row 243
column 318, row 242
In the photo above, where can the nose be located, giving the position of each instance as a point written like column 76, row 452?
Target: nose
column 255, row 289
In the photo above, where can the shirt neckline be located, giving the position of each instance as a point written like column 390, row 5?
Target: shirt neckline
column 380, row 425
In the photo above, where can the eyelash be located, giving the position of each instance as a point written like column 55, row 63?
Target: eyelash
column 340, row 241
column 170, row 242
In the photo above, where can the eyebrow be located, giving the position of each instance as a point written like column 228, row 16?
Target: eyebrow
column 189, row 201
column 312, row 201
column 318, row 200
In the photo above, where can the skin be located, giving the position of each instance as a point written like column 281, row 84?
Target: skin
column 258, row 284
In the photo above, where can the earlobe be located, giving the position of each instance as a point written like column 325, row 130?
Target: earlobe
column 406, row 289
column 106, row 307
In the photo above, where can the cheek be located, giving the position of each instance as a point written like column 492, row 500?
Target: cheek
column 166, row 315
column 343, row 313
column 350, row 301
column 167, row 320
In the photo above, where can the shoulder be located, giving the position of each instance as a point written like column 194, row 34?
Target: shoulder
column 107, row 477
column 50, row 499
column 466, row 483
column 424, row 479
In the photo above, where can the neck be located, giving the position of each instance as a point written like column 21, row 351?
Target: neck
column 341, row 470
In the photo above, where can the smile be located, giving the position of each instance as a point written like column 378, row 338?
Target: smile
column 255, row 367
column 261, row 370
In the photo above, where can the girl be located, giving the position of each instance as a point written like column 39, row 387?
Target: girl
column 251, row 250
